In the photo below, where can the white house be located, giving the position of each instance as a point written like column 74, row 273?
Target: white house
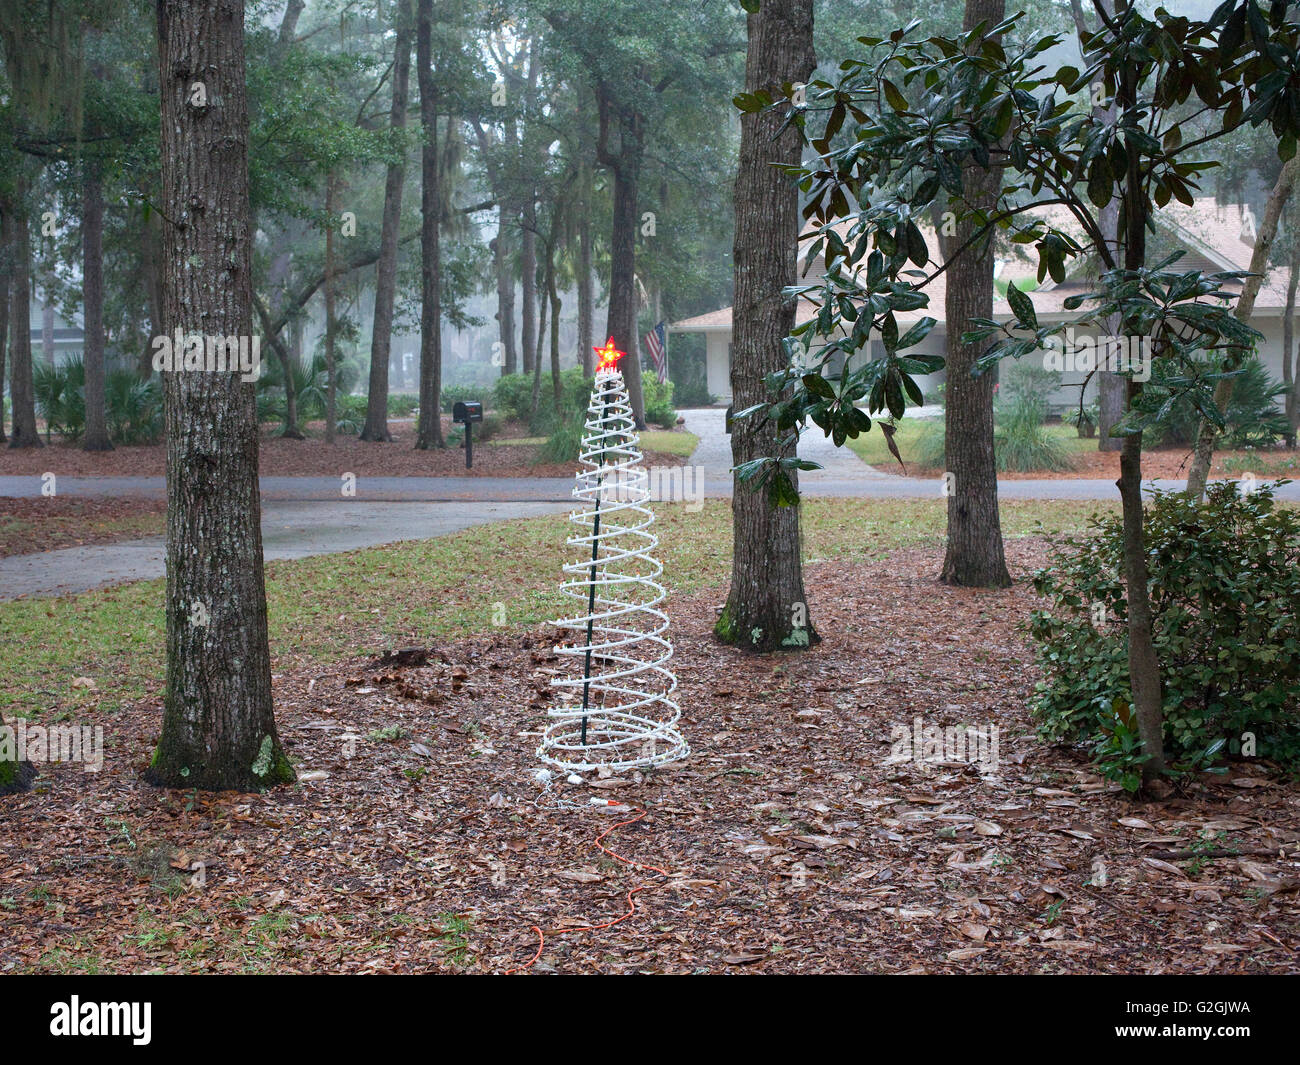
column 1214, row 237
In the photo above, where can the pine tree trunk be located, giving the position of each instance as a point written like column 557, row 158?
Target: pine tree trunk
column 586, row 308
column 92, row 290
column 766, row 608
column 218, row 728
column 21, row 392
column 429, row 429
column 381, row 336
column 974, row 555
column 621, row 319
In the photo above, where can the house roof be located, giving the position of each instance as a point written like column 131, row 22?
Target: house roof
column 1217, row 238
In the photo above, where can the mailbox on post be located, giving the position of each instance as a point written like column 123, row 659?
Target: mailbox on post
column 467, row 414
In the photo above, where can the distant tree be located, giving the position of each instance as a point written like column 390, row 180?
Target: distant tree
column 429, row 427
column 218, row 727
column 376, row 427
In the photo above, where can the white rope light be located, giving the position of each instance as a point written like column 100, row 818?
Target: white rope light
column 618, row 713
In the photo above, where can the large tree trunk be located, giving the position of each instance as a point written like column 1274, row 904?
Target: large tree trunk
column 381, row 336
column 92, row 294
column 1289, row 375
column 1207, row 435
column 766, row 608
column 218, row 727
column 21, row 392
column 429, row 429
column 974, row 555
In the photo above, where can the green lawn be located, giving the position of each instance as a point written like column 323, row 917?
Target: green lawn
column 363, row 602
column 871, row 448
column 667, row 441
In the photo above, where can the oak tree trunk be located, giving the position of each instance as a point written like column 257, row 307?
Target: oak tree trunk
column 429, row 428
column 92, row 293
column 766, row 608
column 218, row 728
column 505, row 296
column 381, row 336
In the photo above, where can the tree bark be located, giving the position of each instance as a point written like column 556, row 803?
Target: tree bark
column 1207, row 435
column 381, row 336
column 218, row 728
column 21, row 392
column 766, row 607
column 621, row 318
column 92, row 294
column 974, row 555
column 429, row 429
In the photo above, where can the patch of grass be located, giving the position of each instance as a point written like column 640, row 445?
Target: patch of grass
column 915, row 443
column 670, row 441
column 363, row 602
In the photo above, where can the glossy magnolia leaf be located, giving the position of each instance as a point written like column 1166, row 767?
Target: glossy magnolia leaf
column 1021, row 306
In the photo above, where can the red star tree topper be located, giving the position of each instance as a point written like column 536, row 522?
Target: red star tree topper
column 607, row 356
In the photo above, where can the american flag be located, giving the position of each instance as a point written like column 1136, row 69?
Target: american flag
column 656, row 342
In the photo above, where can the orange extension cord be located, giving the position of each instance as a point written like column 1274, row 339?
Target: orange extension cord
column 631, row 902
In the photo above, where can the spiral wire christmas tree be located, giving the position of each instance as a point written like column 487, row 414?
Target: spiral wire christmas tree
column 619, row 713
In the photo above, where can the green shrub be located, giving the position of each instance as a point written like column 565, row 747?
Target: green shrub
column 1253, row 418
column 659, row 409
column 135, row 408
column 1021, row 442
column 132, row 406
column 450, row 395
column 400, row 404
column 563, row 445
column 1225, row 596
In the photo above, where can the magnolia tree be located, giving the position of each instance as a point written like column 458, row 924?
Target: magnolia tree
column 882, row 163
